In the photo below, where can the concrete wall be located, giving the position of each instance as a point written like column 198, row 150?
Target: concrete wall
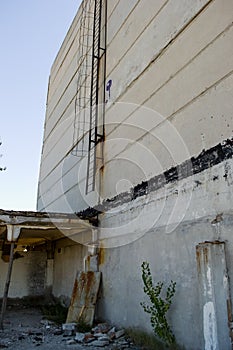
column 137, row 231
column 173, row 68
column 28, row 275
column 166, row 184
column 35, row 275
column 68, row 261
column 181, row 46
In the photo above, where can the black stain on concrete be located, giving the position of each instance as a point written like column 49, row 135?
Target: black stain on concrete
column 140, row 189
column 205, row 160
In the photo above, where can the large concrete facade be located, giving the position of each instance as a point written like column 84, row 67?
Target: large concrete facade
column 164, row 185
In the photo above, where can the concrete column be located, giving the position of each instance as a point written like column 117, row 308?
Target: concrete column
column 49, row 268
column 214, row 295
column 13, row 232
column 91, row 261
column 49, row 273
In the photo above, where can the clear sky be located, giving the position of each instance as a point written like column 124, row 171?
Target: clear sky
column 31, row 33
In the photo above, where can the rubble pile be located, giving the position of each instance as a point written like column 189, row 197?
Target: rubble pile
column 46, row 335
column 102, row 335
column 14, row 336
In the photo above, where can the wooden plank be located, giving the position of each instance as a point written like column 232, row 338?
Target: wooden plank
column 84, row 296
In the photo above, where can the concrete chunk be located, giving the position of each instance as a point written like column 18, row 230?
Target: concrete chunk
column 69, row 326
column 104, row 338
column 88, row 337
column 119, row 333
column 100, row 343
column 80, row 337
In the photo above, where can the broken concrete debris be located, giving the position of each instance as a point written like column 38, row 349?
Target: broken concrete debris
column 100, row 336
column 79, row 338
column 88, row 338
column 100, row 343
column 69, row 326
column 24, row 329
column 68, row 329
column 71, row 342
column 119, row 333
column 101, row 328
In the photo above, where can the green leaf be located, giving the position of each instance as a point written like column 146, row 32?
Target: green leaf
column 159, row 306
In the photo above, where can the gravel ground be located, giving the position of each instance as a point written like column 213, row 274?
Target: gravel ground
column 25, row 329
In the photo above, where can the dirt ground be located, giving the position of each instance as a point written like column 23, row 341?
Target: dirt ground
column 25, row 329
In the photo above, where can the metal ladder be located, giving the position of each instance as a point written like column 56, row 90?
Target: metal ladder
column 96, row 134
column 82, row 98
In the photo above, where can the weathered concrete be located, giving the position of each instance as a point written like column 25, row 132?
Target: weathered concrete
column 171, row 256
column 166, row 184
column 33, row 233
column 214, row 295
column 68, row 261
column 28, row 275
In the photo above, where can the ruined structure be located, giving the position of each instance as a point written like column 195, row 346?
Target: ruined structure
column 138, row 137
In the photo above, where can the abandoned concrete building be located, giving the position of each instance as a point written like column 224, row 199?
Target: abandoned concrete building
column 137, row 155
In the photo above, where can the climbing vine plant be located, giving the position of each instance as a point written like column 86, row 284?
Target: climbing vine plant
column 159, row 305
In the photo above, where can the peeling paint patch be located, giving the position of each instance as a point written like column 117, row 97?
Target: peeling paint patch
column 209, row 281
column 209, row 324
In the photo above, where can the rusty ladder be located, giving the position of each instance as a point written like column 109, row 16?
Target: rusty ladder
column 96, row 134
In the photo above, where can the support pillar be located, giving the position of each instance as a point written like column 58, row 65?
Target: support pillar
column 49, row 268
column 7, row 285
column 214, row 295
column 49, row 273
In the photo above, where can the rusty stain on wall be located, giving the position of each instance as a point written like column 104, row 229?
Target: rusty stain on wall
column 88, row 260
column 198, row 259
column 101, row 255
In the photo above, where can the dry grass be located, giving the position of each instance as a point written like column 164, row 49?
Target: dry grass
column 56, row 313
column 149, row 341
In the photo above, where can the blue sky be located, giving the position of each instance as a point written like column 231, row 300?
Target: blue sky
column 31, row 33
